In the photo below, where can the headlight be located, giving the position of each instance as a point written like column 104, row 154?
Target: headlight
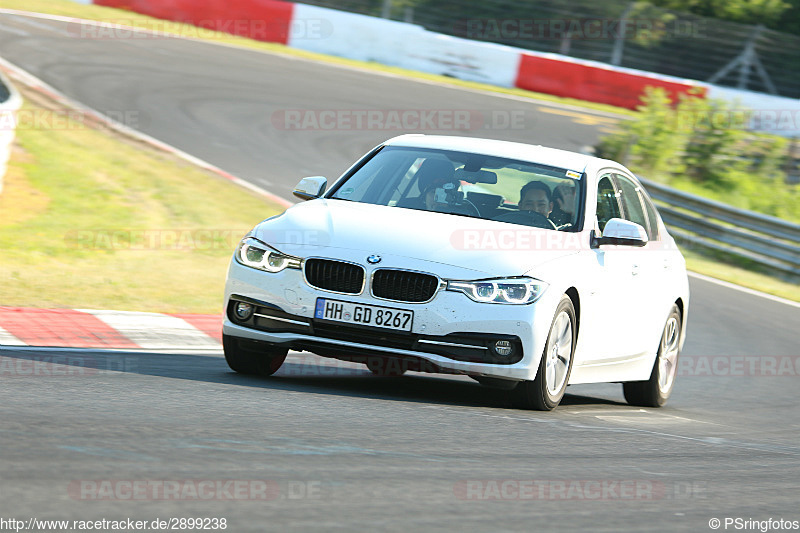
column 255, row 254
column 500, row 291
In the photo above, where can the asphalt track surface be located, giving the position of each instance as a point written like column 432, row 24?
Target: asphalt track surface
column 344, row 450
column 227, row 105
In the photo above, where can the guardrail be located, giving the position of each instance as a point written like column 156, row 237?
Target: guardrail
column 10, row 102
column 769, row 241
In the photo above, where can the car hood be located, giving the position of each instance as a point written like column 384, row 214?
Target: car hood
column 405, row 238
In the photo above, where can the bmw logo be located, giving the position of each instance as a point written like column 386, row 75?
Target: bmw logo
column 374, row 259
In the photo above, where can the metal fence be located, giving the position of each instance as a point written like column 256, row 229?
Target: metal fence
column 770, row 242
column 620, row 32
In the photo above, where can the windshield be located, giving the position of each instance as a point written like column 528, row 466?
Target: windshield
column 467, row 184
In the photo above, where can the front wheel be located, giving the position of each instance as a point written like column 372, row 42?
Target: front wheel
column 655, row 391
column 252, row 357
column 546, row 391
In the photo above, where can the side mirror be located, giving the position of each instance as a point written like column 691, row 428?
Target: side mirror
column 310, row 188
column 623, row 233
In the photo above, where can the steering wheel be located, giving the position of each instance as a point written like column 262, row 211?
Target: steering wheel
column 526, row 218
column 465, row 207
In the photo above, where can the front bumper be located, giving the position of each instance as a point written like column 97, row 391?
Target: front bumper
column 451, row 332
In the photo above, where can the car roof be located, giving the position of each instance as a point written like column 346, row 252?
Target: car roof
column 512, row 150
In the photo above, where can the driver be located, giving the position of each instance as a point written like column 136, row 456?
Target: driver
column 438, row 196
column 432, row 174
column 441, row 189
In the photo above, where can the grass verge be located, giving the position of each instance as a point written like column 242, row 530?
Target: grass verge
column 69, row 8
column 95, row 220
column 727, row 269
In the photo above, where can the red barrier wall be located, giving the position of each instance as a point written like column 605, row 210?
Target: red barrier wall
column 264, row 20
column 592, row 83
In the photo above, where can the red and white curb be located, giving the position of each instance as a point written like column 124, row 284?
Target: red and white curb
column 86, row 328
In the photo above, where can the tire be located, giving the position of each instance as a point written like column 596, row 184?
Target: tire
column 546, row 391
column 252, row 357
column 655, row 391
column 386, row 367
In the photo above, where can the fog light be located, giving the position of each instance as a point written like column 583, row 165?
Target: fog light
column 503, row 348
column 243, row 310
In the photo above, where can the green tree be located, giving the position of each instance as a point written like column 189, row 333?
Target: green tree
column 705, row 146
column 766, row 12
column 653, row 141
column 790, row 20
column 712, row 155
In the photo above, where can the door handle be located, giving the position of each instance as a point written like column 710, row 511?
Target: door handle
column 635, row 270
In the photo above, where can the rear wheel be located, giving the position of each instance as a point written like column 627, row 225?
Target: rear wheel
column 655, row 391
column 546, row 391
column 252, row 357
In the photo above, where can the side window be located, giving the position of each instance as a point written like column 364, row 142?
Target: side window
column 652, row 217
column 607, row 204
column 632, row 204
column 370, row 184
column 357, row 188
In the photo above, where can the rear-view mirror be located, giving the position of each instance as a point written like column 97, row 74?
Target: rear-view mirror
column 476, row 176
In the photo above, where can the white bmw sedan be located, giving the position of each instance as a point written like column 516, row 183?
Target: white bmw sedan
column 523, row 267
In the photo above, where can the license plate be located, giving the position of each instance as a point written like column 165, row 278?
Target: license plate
column 364, row 315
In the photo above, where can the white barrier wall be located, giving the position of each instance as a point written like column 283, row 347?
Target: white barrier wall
column 463, row 59
column 399, row 44
column 767, row 113
column 8, row 124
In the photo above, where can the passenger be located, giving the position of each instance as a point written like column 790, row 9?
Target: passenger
column 536, row 196
column 563, row 204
